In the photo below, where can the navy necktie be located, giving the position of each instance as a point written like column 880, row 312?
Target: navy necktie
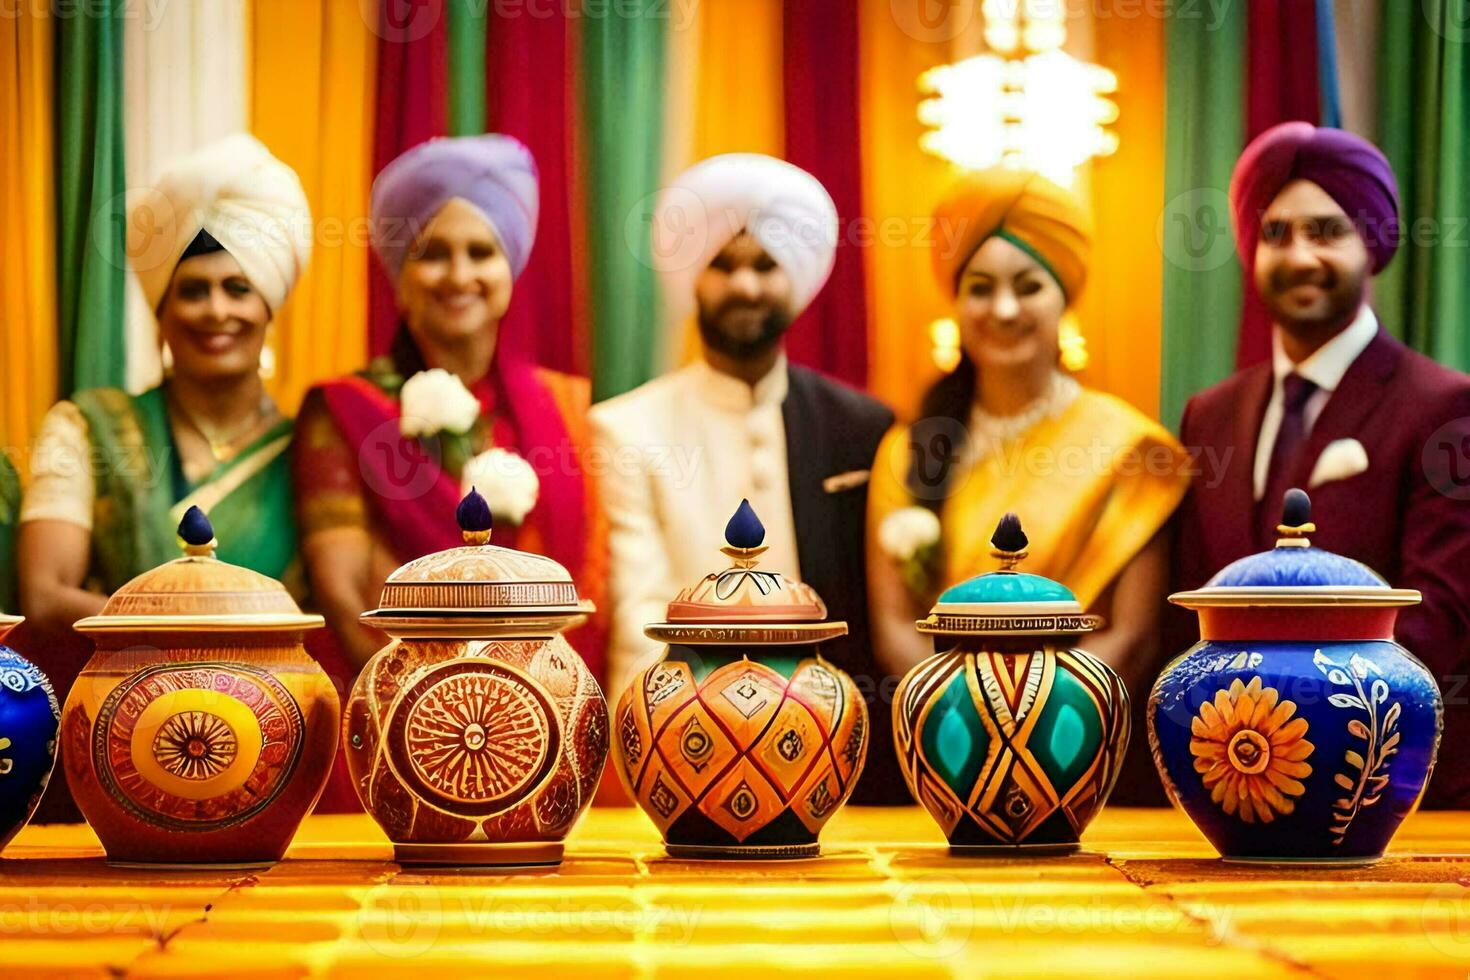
column 1297, row 391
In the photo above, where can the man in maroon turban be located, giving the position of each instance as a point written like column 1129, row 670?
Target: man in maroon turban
column 1377, row 434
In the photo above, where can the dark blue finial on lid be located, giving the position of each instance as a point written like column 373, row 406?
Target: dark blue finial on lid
column 1008, row 534
column 745, row 530
column 196, row 532
column 1296, row 508
column 473, row 514
column 1296, row 520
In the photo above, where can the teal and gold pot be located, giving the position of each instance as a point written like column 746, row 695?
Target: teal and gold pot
column 1011, row 736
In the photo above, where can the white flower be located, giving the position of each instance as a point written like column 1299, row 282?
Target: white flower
column 906, row 531
column 506, row 481
column 436, row 401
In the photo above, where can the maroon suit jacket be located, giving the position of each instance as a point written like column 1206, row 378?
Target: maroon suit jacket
column 1407, row 516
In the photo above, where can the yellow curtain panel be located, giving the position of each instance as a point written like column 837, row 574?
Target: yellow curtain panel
column 1121, row 309
column 901, row 184
column 311, row 78
column 28, row 233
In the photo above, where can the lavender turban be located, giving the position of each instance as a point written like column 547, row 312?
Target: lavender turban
column 495, row 173
column 1352, row 171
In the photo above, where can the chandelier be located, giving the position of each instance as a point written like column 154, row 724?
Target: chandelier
column 1024, row 103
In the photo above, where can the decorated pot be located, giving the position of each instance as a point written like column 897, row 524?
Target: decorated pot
column 29, row 718
column 477, row 736
column 200, row 732
column 1011, row 736
column 1296, row 730
column 742, row 740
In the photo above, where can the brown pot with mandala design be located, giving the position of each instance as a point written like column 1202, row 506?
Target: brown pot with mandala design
column 742, row 741
column 477, row 736
column 200, row 732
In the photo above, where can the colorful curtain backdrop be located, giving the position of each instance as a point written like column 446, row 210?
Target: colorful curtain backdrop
column 531, row 79
column 1285, row 83
column 411, row 106
column 1204, row 126
column 91, row 209
column 623, row 75
column 738, row 105
column 820, row 55
column 311, row 73
column 466, row 66
column 1120, row 311
column 183, row 86
column 1424, row 294
column 28, row 233
column 901, row 184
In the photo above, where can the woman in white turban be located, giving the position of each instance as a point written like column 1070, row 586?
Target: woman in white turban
column 216, row 244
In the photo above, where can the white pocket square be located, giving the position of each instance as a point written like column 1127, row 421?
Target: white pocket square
column 1341, row 459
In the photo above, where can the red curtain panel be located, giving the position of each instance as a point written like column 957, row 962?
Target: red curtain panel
column 1281, row 85
column 821, row 82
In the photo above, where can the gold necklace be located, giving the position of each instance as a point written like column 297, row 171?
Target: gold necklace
column 224, row 446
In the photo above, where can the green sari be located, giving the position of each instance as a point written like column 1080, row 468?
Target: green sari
column 142, row 493
column 9, row 518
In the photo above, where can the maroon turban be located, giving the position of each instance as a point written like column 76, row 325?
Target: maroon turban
column 1352, row 171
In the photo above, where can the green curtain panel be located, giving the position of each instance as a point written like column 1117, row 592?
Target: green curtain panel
column 91, row 207
column 1204, row 134
column 9, row 520
column 466, row 41
column 1424, row 294
column 622, row 85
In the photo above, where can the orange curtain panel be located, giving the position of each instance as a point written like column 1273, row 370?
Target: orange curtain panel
column 28, row 233
column 312, row 70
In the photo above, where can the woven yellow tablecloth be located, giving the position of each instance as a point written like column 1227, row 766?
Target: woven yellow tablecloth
column 1143, row 898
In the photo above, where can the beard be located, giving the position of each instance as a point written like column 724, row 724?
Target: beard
column 742, row 344
column 1341, row 296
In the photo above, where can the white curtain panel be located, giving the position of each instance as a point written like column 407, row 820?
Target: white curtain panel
column 184, row 85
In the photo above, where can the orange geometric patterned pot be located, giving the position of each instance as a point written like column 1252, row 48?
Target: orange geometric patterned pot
column 200, row 732
column 742, row 741
column 478, row 736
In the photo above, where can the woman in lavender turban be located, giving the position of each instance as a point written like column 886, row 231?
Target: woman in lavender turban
column 384, row 456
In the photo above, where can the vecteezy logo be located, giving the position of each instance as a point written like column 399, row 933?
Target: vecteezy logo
column 1446, row 459
column 936, row 447
column 396, row 468
column 1194, row 230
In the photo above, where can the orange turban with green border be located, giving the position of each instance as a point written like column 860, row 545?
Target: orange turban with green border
column 1024, row 208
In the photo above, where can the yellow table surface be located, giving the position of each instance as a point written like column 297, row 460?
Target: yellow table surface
column 1144, row 897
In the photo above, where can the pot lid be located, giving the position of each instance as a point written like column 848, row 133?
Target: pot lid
column 198, row 592
column 1007, row 602
column 1296, row 574
column 744, row 603
column 479, row 581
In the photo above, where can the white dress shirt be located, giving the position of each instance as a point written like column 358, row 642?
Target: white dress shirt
column 1324, row 368
column 676, row 456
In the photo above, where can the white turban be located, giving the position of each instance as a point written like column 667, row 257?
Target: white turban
column 252, row 204
column 785, row 208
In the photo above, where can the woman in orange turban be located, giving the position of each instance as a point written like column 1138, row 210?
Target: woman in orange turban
column 1092, row 479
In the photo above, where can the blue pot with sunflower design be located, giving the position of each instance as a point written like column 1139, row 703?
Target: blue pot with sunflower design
column 1296, row 731
column 29, row 718
column 1011, row 735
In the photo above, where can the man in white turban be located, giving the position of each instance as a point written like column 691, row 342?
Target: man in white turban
column 744, row 242
column 217, row 244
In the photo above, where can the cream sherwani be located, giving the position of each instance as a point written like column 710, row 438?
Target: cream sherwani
column 677, row 455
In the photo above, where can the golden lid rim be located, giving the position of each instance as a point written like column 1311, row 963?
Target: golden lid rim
column 1364, row 596
column 202, row 623
column 1015, row 624
column 730, row 633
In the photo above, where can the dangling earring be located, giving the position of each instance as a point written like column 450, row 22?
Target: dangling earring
column 167, row 357
column 268, row 354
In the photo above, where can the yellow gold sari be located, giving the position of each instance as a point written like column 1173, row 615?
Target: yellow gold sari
column 1092, row 485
